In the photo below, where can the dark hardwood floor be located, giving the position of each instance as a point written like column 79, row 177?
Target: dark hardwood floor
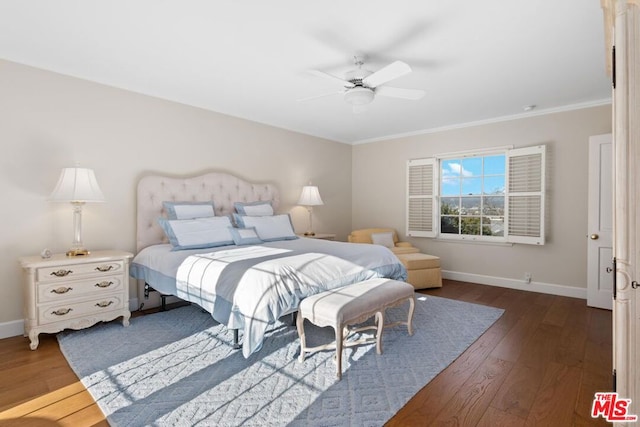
column 538, row 365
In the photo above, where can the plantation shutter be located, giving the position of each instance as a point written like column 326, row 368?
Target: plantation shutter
column 421, row 198
column 525, row 195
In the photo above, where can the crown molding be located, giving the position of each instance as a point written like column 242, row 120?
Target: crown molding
column 500, row 119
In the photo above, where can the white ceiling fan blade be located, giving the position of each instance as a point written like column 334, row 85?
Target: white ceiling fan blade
column 385, row 74
column 397, row 92
column 311, row 98
column 343, row 82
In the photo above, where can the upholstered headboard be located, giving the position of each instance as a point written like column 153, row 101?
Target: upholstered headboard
column 223, row 188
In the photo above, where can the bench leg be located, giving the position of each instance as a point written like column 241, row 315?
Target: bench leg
column 380, row 325
column 339, row 351
column 412, row 306
column 300, row 327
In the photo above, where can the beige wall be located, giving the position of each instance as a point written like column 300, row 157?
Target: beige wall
column 50, row 121
column 378, row 178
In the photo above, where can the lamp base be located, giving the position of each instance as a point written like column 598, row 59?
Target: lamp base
column 309, row 233
column 78, row 252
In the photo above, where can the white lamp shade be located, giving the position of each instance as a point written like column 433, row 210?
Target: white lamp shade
column 310, row 196
column 77, row 185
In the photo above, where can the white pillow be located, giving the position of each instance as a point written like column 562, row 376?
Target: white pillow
column 189, row 210
column 254, row 208
column 384, row 239
column 245, row 236
column 269, row 228
column 197, row 233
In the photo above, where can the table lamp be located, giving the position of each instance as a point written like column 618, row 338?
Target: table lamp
column 77, row 186
column 309, row 198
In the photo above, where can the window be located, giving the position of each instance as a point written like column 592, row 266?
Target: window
column 472, row 195
column 488, row 196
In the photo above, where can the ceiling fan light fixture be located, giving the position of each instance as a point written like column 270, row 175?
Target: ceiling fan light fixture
column 359, row 96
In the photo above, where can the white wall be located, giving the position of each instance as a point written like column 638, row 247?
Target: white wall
column 50, row 121
column 560, row 266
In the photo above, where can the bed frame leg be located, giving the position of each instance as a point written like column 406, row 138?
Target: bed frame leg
column 236, row 344
column 163, row 298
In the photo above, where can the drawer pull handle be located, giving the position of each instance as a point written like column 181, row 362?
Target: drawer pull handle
column 61, row 290
column 104, row 268
column 104, row 304
column 61, row 273
column 103, row 284
column 61, row 311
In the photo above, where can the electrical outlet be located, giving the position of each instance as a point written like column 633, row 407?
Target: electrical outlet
column 527, row 277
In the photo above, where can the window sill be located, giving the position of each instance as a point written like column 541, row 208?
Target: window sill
column 473, row 242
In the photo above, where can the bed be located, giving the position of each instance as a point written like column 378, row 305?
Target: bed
column 244, row 286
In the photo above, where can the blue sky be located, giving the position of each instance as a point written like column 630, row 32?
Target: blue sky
column 464, row 176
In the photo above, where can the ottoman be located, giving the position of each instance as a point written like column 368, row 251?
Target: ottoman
column 350, row 305
column 423, row 271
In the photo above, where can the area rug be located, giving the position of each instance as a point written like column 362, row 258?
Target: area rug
column 178, row 368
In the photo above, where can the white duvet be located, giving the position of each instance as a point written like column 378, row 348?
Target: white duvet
column 250, row 287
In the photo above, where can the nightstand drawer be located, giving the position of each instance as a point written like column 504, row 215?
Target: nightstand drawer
column 69, row 290
column 71, row 271
column 50, row 313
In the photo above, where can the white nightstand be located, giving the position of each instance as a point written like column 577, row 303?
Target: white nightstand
column 323, row 236
column 74, row 292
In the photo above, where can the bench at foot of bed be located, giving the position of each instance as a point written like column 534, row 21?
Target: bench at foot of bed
column 350, row 305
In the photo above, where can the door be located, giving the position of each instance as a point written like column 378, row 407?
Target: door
column 600, row 223
column 622, row 20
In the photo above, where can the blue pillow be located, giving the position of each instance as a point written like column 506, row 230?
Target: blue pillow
column 269, row 228
column 245, row 236
column 197, row 233
column 189, row 210
column 254, row 208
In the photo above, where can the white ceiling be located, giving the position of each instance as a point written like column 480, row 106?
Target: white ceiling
column 477, row 60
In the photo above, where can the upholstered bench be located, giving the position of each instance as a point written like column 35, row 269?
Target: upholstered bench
column 350, row 305
column 423, row 271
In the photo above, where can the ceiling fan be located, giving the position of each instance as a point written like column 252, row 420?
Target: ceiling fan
column 360, row 86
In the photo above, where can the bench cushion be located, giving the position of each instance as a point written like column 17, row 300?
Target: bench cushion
column 354, row 303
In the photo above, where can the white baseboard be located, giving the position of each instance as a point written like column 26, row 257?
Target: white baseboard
column 545, row 288
column 12, row 328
